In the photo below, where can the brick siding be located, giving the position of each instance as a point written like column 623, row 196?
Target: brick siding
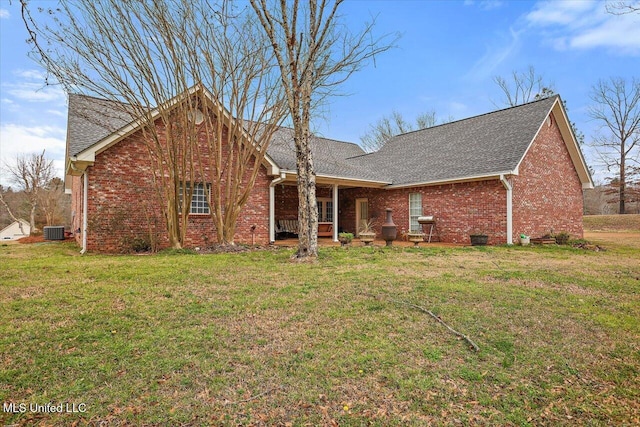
column 124, row 206
column 547, row 193
column 547, row 196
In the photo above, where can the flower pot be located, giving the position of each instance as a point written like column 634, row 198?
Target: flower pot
column 367, row 238
column 524, row 241
column 479, row 239
column 416, row 238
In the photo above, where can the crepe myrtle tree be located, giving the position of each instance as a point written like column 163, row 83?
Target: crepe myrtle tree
column 186, row 72
column 315, row 51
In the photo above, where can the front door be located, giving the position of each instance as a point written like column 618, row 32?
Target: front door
column 362, row 213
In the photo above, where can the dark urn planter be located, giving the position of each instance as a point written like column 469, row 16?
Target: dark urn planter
column 389, row 229
column 479, row 239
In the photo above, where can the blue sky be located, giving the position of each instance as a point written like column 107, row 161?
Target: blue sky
column 445, row 61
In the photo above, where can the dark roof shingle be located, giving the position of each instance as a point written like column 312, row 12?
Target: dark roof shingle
column 483, row 145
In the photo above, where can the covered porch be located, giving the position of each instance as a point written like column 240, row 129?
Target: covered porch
column 338, row 211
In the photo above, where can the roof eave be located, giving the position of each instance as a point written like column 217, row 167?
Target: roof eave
column 471, row 178
column 327, row 178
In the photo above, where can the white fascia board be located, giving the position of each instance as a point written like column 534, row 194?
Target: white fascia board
column 569, row 140
column 495, row 175
column 344, row 180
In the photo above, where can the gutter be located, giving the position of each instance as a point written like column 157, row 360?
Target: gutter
column 272, row 206
column 507, row 185
column 85, row 197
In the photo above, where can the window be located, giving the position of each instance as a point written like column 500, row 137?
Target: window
column 199, row 198
column 415, row 210
column 325, row 209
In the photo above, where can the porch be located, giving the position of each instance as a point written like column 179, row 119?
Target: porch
column 328, row 242
column 338, row 209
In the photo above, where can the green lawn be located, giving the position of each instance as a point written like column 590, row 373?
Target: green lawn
column 254, row 339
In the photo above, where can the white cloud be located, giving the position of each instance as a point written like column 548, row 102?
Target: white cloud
column 16, row 139
column 485, row 4
column 30, row 86
column 496, row 55
column 4, row 14
column 34, row 92
column 585, row 25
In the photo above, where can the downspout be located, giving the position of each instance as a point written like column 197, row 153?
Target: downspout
column 85, row 197
column 335, row 212
column 509, row 188
column 272, row 206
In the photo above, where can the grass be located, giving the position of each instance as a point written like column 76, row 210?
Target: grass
column 627, row 222
column 254, row 339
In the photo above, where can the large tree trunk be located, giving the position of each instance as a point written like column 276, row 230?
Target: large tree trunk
column 307, row 203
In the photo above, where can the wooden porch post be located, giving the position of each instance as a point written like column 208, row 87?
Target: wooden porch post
column 335, row 212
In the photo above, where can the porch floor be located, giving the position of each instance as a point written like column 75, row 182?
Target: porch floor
column 327, row 241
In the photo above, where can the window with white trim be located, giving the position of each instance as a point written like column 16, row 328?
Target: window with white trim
column 415, row 211
column 325, row 209
column 199, row 198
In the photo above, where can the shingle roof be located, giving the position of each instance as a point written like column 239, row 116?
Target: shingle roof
column 483, row 145
column 91, row 120
column 477, row 146
column 331, row 157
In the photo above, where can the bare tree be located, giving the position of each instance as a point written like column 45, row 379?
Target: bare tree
column 623, row 7
column 161, row 60
column 389, row 126
column 315, row 53
column 617, row 108
column 9, row 209
column 52, row 200
column 31, row 173
column 523, row 87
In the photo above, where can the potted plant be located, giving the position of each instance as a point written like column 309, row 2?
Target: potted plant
column 345, row 238
column 416, row 237
column 367, row 235
column 479, row 239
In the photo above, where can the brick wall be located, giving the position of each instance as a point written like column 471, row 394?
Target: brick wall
column 460, row 209
column 547, row 193
column 124, row 205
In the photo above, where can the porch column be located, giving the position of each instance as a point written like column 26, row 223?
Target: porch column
column 272, row 214
column 272, row 206
column 335, row 212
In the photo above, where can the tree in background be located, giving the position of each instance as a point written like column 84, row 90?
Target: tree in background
column 623, row 7
column 617, row 108
column 389, row 126
column 527, row 86
column 523, row 86
column 31, row 173
column 315, row 52
column 157, row 59
column 53, row 202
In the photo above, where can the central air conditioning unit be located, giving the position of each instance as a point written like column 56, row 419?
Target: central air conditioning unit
column 54, row 233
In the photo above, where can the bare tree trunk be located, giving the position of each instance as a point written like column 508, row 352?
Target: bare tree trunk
column 623, row 180
column 307, row 202
column 313, row 57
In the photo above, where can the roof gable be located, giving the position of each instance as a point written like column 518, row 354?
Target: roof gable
column 487, row 145
column 96, row 124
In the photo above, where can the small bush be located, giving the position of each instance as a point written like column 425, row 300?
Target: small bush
column 562, row 238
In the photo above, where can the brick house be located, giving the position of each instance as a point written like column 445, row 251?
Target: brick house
column 512, row 171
